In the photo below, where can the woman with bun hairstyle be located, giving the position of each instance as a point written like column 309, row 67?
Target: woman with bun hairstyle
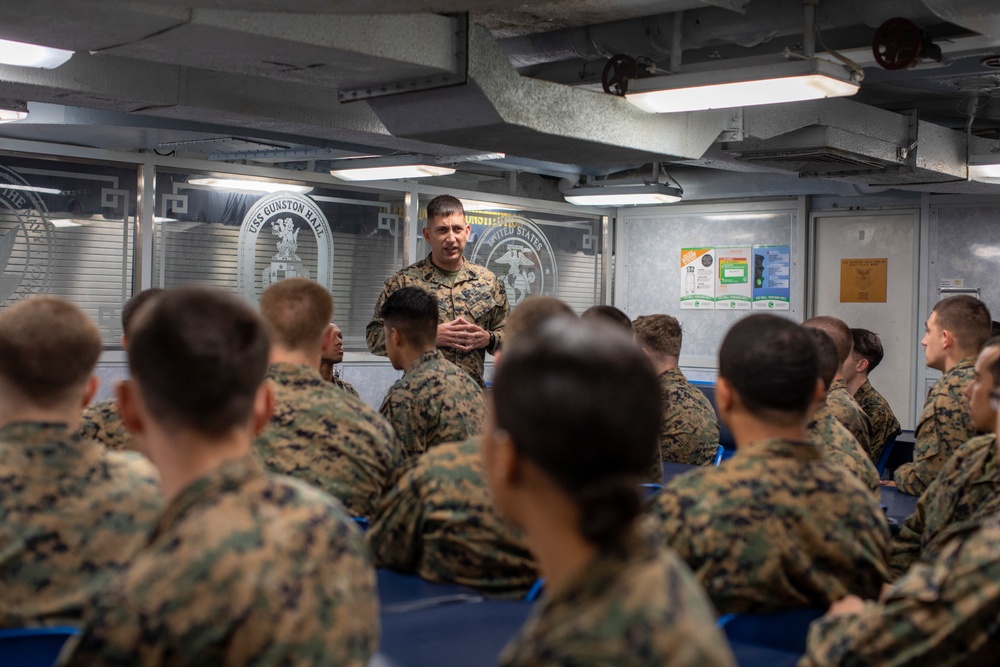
column 573, row 421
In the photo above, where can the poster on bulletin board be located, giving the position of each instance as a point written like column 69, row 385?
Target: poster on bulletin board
column 732, row 290
column 772, row 272
column 698, row 273
column 863, row 280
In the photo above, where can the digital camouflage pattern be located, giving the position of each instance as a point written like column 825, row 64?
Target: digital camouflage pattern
column 346, row 386
column 689, row 432
column 847, row 411
column 942, row 612
column 327, row 438
column 634, row 606
column 101, row 422
column 837, row 444
column 966, row 489
column 434, row 402
column 944, row 424
column 438, row 522
column 73, row 514
column 475, row 294
column 880, row 415
column 244, row 568
column 776, row 527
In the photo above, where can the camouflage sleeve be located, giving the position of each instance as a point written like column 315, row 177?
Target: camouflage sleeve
column 906, row 546
column 374, row 335
column 668, row 508
column 498, row 315
column 937, row 614
column 394, row 536
column 401, row 421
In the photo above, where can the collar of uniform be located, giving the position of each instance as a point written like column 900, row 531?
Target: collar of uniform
column 963, row 365
column 780, row 448
column 838, row 385
column 865, row 389
column 432, row 274
column 283, row 373
column 991, row 462
column 228, row 476
column 425, row 359
column 46, row 441
column 672, row 374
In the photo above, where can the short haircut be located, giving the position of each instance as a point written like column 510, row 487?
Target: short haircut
column 826, row 355
column 838, row 330
column 48, row 349
column 610, row 314
column 771, row 363
column 581, row 401
column 131, row 306
column 531, row 314
column 660, row 334
column 414, row 313
column 868, row 345
column 198, row 356
column 297, row 312
column 968, row 320
column 443, row 206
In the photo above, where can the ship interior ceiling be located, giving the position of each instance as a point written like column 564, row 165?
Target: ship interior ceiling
column 524, row 104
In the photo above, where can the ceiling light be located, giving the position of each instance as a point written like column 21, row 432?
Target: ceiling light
column 791, row 81
column 623, row 195
column 248, row 185
column 31, row 55
column 390, row 167
column 30, row 188
column 984, row 167
column 485, row 206
column 10, row 115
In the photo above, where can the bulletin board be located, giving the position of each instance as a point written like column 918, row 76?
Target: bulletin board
column 649, row 246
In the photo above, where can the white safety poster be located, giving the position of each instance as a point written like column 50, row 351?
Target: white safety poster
column 732, row 290
column 698, row 273
column 772, row 273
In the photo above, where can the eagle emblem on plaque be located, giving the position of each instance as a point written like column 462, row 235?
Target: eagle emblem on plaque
column 304, row 243
column 27, row 241
column 285, row 263
column 517, row 251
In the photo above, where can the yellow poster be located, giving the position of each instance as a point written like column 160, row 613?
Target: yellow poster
column 863, row 280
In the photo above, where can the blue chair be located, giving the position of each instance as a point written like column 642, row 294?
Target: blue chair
column 33, row 647
column 536, row 590
column 361, row 522
column 718, row 455
column 783, row 630
column 883, row 458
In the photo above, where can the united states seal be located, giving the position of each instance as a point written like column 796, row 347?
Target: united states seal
column 27, row 240
column 518, row 252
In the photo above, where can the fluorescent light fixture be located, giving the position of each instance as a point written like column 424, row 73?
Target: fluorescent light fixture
column 486, row 206
column 791, row 81
column 32, row 55
column 390, row 167
column 984, row 167
column 29, row 188
column 11, row 115
column 623, row 195
column 248, row 185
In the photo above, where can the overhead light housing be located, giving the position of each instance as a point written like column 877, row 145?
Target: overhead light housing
column 390, row 167
column 246, row 185
column 985, row 167
column 30, row 188
column 623, row 195
column 23, row 54
column 791, row 81
column 475, row 205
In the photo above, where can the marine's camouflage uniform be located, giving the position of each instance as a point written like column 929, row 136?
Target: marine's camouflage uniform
column 475, row 294
column 73, row 514
column 944, row 424
column 101, row 422
column 438, row 522
column 883, row 421
column 945, row 611
column 244, row 568
column 776, row 527
column 434, row 402
column 967, row 488
column 345, row 385
column 836, row 442
column 842, row 405
column 690, row 430
column 327, row 438
column 633, row 606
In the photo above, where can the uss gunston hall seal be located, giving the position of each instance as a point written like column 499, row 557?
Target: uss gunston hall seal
column 282, row 217
column 516, row 250
column 27, row 241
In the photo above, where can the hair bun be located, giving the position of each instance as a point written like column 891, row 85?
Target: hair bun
column 607, row 509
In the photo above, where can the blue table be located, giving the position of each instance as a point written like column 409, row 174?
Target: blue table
column 898, row 505
column 671, row 470
column 399, row 592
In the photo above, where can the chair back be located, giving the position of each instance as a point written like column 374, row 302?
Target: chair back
column 883, row 458
column 718, row 455
column 782, row 630
column 33, row 647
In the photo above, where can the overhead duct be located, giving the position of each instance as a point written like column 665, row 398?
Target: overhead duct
column 842, row 139
column 541, row 120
